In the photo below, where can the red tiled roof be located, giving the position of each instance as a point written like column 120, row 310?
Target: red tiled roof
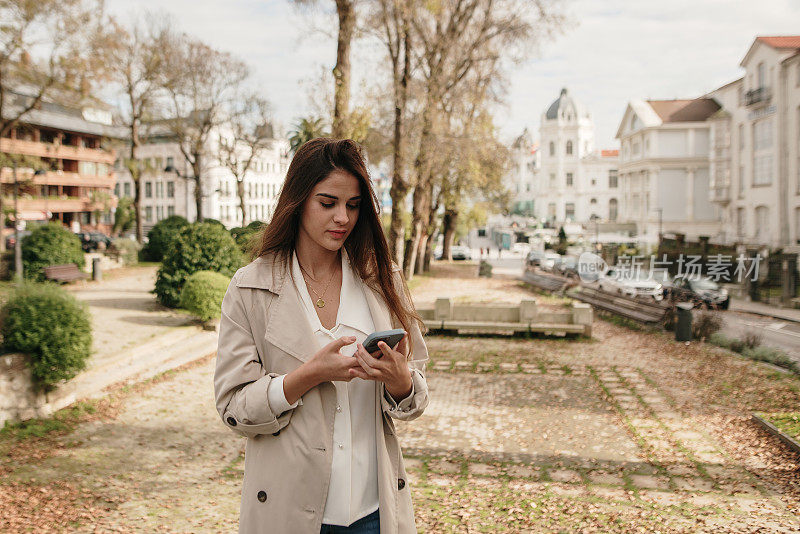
column 695, row 110
column 609, row 153
column 780, row 41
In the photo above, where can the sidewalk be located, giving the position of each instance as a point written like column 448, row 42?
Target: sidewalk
column 757, row 308
column 134, row 337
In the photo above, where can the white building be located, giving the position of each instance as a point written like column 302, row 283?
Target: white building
column 576, row 183
column 664, row 168
column 756, row 153
column 166, row 193
column 523, row 173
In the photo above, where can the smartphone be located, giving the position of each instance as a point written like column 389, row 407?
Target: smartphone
column 390, row 337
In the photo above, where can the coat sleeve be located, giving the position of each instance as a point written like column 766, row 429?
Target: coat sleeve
column 240, row 381
column 404, row 410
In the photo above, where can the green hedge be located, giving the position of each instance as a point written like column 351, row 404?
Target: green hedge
column 49, row 244
column 128, row 250
column 203, row 292
column 161, row 235
column 198, row 247
column 50, row 325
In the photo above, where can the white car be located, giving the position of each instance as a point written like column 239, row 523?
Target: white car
column 460, row 252
column 550, row 259
column 628, row 283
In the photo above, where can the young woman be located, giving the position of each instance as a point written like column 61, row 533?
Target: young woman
column 292, row 375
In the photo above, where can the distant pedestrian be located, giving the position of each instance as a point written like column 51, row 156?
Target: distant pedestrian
column 317, row 410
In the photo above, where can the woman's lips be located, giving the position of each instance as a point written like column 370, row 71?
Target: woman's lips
column 337, row 235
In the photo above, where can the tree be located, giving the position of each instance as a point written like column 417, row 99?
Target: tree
column 124, row 215
column 248, row 135
column 138, row 68
column 201, row 83
column 47, row 47
column 306, row 130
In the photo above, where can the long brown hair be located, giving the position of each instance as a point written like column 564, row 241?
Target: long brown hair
column 366, row 245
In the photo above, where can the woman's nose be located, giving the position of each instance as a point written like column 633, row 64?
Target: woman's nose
column 340, row 217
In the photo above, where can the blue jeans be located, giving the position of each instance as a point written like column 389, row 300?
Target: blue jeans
column 369, row 524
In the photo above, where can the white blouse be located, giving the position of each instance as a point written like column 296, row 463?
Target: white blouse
column 353, row 490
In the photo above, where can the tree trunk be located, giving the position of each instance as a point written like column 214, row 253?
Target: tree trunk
column 421, row 200
column 136, row 177
column 449, row 230
column 198, row 186
column 419, row 262
column 428, row 255
column 400, row 186
column 240, row 192
column 341, row 72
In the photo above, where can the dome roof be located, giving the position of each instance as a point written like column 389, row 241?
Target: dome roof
column 564, row 103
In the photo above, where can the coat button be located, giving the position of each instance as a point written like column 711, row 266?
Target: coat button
column 262, row 496
column 231, row 421
column 401, row 483
column 276, row 433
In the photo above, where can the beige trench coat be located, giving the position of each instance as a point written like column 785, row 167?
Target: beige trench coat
column 264, row 333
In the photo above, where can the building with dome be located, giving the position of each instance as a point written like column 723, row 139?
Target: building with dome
column 523, row 173
column 576, row 182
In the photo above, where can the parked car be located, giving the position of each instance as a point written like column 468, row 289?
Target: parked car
column 460, row 252
column 534, row 258
column 568, row 266
column 91, row 241
column 549, row 261
column 631, row 284
column 11, row 240
column 520, row 247
column 703, row 292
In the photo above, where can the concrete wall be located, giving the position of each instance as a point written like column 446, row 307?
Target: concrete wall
column 19, row 400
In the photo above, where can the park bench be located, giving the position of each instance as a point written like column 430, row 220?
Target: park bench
column 646, row 311
column 522, row 318
column 548, row 282
column 64, row 273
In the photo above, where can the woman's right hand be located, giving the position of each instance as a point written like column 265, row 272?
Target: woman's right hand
column 329, row 364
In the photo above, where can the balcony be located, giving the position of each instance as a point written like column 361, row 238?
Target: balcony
column 753, row 97
column 721, row 193
column 50, row 150
column 55, row 204
column 58, row 178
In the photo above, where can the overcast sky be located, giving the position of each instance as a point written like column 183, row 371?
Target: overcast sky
column 614, row 51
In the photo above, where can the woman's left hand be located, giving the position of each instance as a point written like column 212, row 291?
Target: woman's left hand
column 391, row 369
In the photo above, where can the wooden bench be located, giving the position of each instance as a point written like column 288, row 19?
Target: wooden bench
column 645, row 311
column 64, row 273
column 547, row 282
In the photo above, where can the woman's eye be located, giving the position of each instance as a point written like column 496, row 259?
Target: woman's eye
column 326, row 205
column 353, row 207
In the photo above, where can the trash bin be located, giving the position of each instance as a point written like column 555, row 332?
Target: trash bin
column 683, row 326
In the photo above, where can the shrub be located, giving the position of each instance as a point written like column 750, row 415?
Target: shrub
column 773, row 356
column 705, row 324
column 50, row 325
column 720, row 340
column 202, row 294
column 246, row 237
column 49, row 244
column 751, row 339
column 161, row 235
column 198, row 247
column 485, row 269
column 127, row 249
column 213, row 221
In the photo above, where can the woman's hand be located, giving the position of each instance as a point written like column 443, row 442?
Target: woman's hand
column 392, row 369
column 329, row 364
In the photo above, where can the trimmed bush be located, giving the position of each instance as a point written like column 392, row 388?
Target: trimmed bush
column 128, row 250
column 50, row 325
column 49, row 244
column 203, row 292
column 198, row 247
column 161, row 235
column 705, row 324
column 485, row 269
column 720, row 340
column 247, row 237
column 213, row 221
column 773, row 356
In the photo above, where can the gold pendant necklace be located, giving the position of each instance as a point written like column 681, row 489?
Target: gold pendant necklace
column 320, row 301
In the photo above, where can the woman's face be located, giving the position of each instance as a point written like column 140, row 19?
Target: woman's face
column 331, row 210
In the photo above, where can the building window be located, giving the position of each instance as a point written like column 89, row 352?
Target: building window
column 528, row 187
column 569, row 179
column 116, row 189
column 148, row 190
column 762, row 75
column 569, row 211
column 551, row 211
column 594, row 181
column 612, row 209
column 127, row 187
column 148, row 213
column 170, row 161
column 612, row 178
column 552, row 179
column 593, row 201
column 171, row 189
column 762, row 224
column 762, row 152
column 170, row 211
column 552, row 148
column 159, row 189
column 741, row 220
column 635, row 148
column 569, row 148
